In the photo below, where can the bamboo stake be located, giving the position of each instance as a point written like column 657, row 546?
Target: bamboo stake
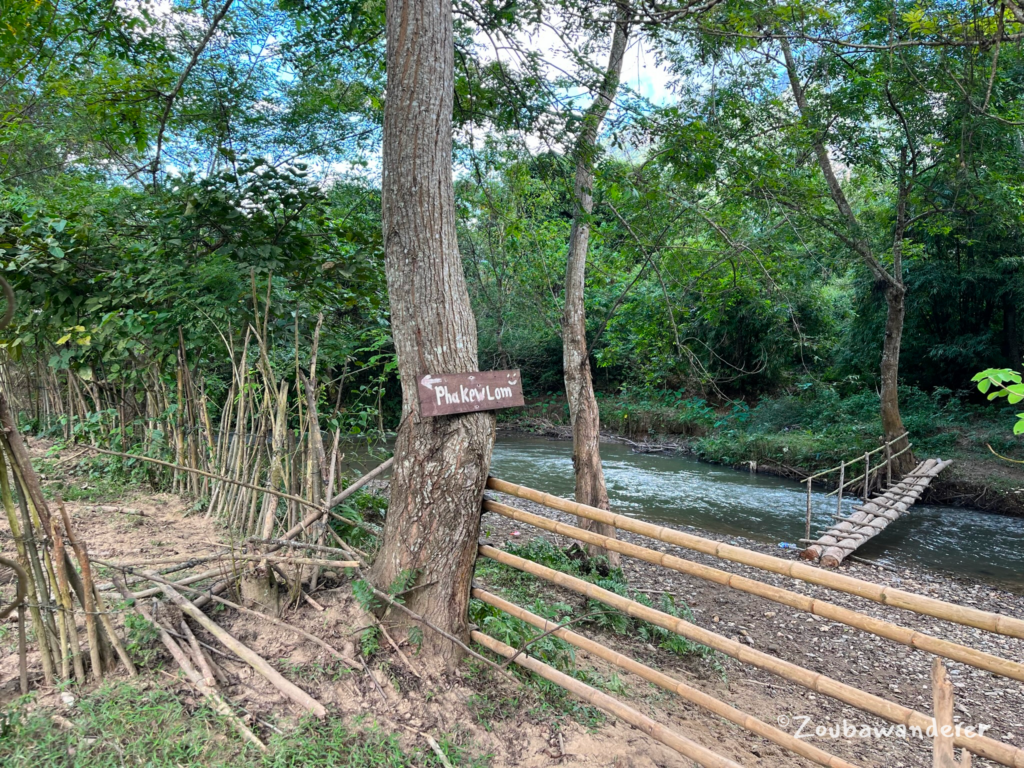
column 894, row 632
column 699, row 698
column 972, row 617
column 980, row 745
column 253, row 659
column 91, row 629
column 682, row 745
column 942, row 702
column 219, row 704
column 94, row 593
column 808, row 527
column 70, row 647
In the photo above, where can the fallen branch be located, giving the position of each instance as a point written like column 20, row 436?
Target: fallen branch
column 219, row 704
column 253, row 659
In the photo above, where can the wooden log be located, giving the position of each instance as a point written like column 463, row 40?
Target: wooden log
column 832, row 556
column 662, row 680
column 217, row 701
column 826, row 610
column 250, row 657
column 682, row 745
column 896, row 713
column 928, row 606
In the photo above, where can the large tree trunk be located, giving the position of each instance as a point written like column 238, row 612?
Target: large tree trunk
column 441, row 463
column 892, row 422
column 579, row 383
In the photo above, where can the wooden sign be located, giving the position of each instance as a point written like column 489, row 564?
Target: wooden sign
column 445, row 394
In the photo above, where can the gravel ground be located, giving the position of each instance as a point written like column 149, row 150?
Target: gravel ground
column 873, row 664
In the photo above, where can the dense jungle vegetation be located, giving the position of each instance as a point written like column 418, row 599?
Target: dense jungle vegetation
column 184, row 182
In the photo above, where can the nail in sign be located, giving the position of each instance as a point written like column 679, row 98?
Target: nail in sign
column 445, row 394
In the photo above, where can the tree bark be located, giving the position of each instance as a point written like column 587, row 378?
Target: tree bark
column 441, row 463
column 579, row 383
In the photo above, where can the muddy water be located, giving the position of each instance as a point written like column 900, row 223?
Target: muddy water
column 680, row 490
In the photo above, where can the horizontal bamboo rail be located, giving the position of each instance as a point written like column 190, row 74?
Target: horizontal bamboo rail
column 897, row 598
column 684, row 746
column 699, row 698
column 861, row 457
column 909, row 637
column 815, row 681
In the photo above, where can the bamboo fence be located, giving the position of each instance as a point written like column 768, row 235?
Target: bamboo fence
column 701, row 699
column 908, row 637
column 972, row 617
column 983, row 746
column 682, row 745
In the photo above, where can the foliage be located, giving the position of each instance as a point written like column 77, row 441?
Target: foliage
column 1008, row 384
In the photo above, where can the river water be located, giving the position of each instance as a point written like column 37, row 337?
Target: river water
column 681, row 490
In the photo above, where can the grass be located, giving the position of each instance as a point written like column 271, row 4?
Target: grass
column 141, row 725
column 552, row 702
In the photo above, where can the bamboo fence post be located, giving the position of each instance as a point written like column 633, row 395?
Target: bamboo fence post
column 888, row 463
column 19, row 603
column 808, row 526
column 245, row 653
column 980, row 745
column 942, row 741
column 839, row 495
column 662, row 680
column 851, row 618
column 867, row 476
column 928, row 606
column 690, row 749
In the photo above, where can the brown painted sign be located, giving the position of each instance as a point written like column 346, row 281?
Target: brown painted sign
column 445, row 394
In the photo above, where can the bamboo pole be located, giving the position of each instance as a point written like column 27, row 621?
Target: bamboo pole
column 219, row 704
column 980, row 745
column 682, row 745
column 894, row 632
column 701, row 699
column 972, row 617
column 245, row 653
column 94, row 594
column 808, row 526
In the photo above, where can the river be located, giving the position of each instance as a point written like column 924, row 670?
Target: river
column 679, row 489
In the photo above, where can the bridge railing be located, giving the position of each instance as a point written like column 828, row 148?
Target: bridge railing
column 868, row 476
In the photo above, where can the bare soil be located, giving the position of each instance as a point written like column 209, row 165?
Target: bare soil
column 507, row 720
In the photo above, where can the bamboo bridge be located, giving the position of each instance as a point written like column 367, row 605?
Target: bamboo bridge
column 875, row 513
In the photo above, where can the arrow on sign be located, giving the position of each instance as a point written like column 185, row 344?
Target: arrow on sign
column 429, row 382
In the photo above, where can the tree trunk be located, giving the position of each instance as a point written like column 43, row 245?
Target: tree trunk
column 892, row 422
column 579, row 383
column 1011, row 342
column 441, row 463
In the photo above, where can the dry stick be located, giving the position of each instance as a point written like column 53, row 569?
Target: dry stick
column 197, row 653
column 912, row 638
column 90, row 587
column 245, row 653
column 980, row 745
column 219, row 704
column 402, row 656
column 437, row 750
column 928, row 606
column 304, row 545
column 699, row 698
column 276, row 622
column 91, row 628
column 19, row 603
column 291, row 534
column 69, row 630
column 603, row 701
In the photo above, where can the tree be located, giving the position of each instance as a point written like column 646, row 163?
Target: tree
column 579, row 383
column 441, row 463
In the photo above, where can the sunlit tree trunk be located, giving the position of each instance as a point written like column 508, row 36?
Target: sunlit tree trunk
column 579, row 383
column 441, row 463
